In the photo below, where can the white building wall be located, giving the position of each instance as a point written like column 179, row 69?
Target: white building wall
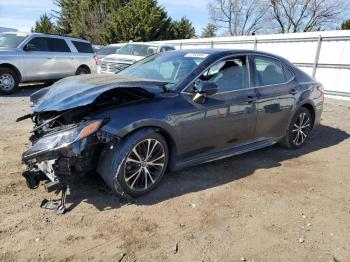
column 331, row 67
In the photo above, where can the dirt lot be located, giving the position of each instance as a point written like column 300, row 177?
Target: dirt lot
column 270, row 205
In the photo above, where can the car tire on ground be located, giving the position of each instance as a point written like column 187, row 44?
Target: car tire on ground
column 299, row 129
column 82, row 71
column 8, row 81
column 136, row 164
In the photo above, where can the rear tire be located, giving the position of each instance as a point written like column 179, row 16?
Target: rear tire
column 8, row 81
column 299, row 129
column 83, row 71
column 136, row 164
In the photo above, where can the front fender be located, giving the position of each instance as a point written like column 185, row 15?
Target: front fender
column 122, row 131
column 166, row 130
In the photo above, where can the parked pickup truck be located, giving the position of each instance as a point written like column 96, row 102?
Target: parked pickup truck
column 29, row 57
column 130, row 54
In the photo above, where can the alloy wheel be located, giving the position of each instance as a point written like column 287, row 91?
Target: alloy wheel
column 301, row 129
column 144, row 164
column 7, row 82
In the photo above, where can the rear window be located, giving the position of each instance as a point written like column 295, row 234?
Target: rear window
column 57, row 45
column 270, row 71
column 83, row 47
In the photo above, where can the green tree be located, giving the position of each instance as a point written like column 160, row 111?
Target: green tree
column 86, row 18
column 209, row 30
column 345, row 25
column 182, row 29
column 139, row 20
column 44, row 25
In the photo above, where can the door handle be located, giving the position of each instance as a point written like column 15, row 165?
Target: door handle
column 48, row 57
column 293, row 92
column 250, row 99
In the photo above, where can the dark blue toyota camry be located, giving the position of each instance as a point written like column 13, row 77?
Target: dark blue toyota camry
column 168, row 111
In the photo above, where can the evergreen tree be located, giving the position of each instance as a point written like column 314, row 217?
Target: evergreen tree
column 86, row 18
column 345, row 25
column 209, row 30
column 182, row 29
column 140, row 20
column 44, row 25
column 112, row 21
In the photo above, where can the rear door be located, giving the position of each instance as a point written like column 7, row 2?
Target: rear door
column 276, row 90
column 65, row 64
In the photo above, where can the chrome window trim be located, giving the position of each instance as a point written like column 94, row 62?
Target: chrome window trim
column 279, row 60
column 217, row 61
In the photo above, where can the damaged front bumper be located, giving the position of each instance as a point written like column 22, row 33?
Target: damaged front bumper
column 63, row 151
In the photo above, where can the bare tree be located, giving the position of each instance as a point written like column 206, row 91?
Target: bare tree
column 306, row 15
column 238, row 17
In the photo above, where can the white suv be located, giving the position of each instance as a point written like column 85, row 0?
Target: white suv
column 28, row 57
column 129, row 54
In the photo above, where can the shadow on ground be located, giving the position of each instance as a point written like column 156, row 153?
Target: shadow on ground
column 95, row 192
column 25, row 90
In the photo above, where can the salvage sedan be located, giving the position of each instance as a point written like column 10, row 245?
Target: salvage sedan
column 168, row 111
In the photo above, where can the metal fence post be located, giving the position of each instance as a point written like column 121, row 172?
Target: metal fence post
column 212, row 44
column 255, row 44
column 317, row 55
column 180, row 45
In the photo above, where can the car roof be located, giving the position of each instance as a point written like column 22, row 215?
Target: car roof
column 221, row 52
column 50, row 35
column 149, row 44
column 114, row 45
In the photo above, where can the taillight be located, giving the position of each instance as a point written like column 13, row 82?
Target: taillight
column 97, row 60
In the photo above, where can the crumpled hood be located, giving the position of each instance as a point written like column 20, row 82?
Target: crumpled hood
column 76, row 91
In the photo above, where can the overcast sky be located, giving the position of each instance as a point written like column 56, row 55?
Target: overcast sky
column 22, row 14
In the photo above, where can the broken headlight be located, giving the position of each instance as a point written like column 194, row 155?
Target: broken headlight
column 64, row 138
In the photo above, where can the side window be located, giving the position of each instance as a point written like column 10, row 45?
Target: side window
column 57, row 45
column 269, row 71
column 83, row 47
column 229, row 75
column 38, row 44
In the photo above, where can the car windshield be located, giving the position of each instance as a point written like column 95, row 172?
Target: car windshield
column 137, row 49
column 108, row 50
column 171, row 67
column 11, row 40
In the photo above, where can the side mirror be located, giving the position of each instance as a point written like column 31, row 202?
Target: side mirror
column 29, row 47
column 207, row 88
column 204, row 88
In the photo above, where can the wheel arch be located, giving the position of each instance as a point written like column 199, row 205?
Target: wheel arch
column 83, row 66
column 169, row 138
column 309, row 106
column 14, row 68
column 312, row 111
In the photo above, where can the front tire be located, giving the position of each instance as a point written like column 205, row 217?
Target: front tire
column 299, row 129
column 8, row 81
column 137, row 164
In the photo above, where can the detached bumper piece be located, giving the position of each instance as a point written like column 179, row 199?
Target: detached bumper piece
column 57, row 187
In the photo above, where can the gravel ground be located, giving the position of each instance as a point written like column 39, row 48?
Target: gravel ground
column 269, row 205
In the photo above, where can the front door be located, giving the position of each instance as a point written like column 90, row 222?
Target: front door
column 224, row 120
column 38, row 61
